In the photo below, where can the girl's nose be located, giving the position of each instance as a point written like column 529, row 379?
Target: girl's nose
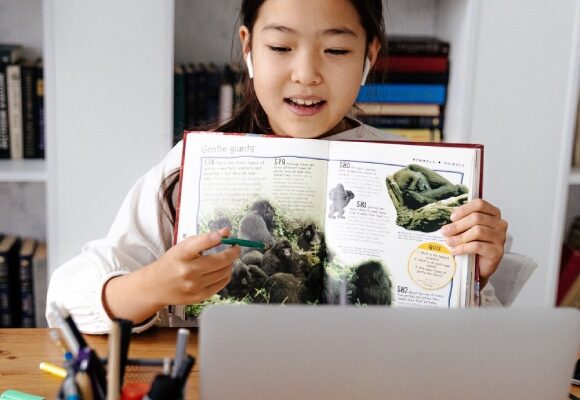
column 306, row 69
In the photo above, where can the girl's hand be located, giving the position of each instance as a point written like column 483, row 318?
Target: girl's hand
column 184, row 275
column 181, row 276
column 477, row 228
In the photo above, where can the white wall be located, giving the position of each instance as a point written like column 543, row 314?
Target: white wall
column 524, row 101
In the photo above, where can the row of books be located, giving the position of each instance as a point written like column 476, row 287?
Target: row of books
column 23, row 282
column 21, row 105
column 569, row 282
column 407, row 91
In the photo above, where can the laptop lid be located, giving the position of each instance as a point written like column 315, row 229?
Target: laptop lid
column 330, row 352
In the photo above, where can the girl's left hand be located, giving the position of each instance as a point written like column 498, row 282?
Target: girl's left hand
column 477, row 228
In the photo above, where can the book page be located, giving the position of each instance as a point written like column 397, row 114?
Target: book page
column 387, row 204
column 270, row 190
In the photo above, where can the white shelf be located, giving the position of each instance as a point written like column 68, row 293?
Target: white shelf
column 22, row 171
column 575, row 176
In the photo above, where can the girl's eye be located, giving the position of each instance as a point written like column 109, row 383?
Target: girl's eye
column 337, row 52
column 279, row 49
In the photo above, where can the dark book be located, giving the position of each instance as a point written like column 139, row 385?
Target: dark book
column 213, row 86
column 178, row 103
column 408, row 64
column 26, row 282
column 190, row 94
column 40, row 108
column 9, row 282
column 4, row 132
column 201, row 77
column 416, row 77
column 29, row 110
column 400, row 44
column 10, row 53
column 40, row 284
column 402, row 121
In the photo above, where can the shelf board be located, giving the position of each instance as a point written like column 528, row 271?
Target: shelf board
column 575, row 176
column 23, row 171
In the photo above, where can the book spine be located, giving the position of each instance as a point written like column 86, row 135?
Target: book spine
column 414, row 77
column 417, row 47
column 402, row 93
column 5, row 315
column 39, row 284
column 40, row 128
column 14, row 82
column 29, row 135
column 26, row 291
column 406, row 121
column 4, row 132
column 415, row 64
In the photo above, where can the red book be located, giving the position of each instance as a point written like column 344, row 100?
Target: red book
column 569, row 271
column 406, row 63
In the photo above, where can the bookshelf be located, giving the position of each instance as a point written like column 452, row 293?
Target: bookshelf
column 110, row 119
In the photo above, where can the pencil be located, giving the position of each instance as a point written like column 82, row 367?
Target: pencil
column 246, row 243
column 53, row 369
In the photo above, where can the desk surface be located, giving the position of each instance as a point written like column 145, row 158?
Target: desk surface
column 21, row 350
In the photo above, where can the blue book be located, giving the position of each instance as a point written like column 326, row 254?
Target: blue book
column 402, row 93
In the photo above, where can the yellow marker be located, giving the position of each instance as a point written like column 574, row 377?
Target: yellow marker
column 53, row 369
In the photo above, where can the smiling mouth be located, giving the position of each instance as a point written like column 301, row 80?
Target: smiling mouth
column 302, row 103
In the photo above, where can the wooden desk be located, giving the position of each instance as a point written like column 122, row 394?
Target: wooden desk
column 21, row 350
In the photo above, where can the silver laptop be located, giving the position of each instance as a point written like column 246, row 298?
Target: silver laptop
column 306, row 352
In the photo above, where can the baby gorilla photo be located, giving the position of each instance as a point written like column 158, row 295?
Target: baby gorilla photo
column 339, row 200
column 370, row 284
column 423, row 199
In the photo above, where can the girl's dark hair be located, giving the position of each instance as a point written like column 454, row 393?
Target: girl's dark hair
column 251, row 116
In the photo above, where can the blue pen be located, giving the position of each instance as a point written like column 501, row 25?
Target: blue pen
column 69, row 385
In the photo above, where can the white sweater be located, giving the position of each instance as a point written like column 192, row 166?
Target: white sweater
column 138, row 238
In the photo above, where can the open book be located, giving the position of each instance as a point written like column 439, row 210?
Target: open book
column 344, row 222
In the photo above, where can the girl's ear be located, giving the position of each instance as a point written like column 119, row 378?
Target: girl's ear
column 247, row 54
column 373, row 51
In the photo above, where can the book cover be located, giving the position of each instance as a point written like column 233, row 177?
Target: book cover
column 425, row 45
column 345, row 222
column 4, row 132
column 29, row 110
column 40, row 284
column 26, row 282
column 9, row 282
column 402, row 93
column 14, row 90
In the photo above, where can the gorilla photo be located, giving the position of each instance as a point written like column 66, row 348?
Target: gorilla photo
column 340, row 198
column 258, row 223
column 423, row 199
column 370, row 284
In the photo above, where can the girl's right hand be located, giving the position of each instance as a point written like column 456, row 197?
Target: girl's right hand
column 183, row 275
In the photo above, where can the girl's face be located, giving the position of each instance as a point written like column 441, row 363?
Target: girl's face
column 308, row 58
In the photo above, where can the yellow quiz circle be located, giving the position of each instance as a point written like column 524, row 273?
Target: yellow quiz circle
column 431, row 266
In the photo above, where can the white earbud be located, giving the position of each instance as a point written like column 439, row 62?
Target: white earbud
column 366, row 71
column 249, row 65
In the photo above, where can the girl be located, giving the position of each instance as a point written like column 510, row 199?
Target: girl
column 306, row 60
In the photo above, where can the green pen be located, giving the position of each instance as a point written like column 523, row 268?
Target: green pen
column 246, row 243
column 16, row 395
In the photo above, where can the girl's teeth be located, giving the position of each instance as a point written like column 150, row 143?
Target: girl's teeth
column 304, row 102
